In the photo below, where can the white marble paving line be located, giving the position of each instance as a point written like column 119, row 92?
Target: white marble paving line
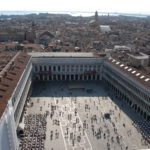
column 82, row 127
column 61, row 129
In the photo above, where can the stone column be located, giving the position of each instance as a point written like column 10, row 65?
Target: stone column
column 87, row 77
column 83, row 68
column 96, row 77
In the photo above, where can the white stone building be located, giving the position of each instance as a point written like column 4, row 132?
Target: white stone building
column 139, row 59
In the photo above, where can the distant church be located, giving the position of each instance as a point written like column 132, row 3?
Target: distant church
column 96, row 17
column 95, row 21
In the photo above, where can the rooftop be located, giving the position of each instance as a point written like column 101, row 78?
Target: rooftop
column 132, row 72
column 139, row 56
column 63, row 54
column 10, row 74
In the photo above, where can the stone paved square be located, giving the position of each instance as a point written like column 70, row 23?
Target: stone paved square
column 83, row 116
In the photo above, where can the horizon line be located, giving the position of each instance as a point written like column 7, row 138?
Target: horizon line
column 69, row 12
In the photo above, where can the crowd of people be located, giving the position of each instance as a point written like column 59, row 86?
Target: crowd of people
column 34, row 132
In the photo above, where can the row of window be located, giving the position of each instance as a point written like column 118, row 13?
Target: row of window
column 67, row 68
column 67, row 77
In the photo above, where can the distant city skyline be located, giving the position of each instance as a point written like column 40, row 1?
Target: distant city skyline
column 126, row 6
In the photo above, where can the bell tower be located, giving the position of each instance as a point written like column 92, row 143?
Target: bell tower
column 96, row 17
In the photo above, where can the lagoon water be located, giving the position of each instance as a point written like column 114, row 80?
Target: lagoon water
column 72, row 13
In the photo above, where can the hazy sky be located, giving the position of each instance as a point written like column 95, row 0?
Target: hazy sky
column 138, row 6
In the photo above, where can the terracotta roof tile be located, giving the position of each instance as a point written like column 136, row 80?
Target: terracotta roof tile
column 133, row 75
column 10, row 77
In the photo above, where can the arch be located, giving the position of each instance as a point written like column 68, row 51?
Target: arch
column 89, row 77
column 41, row 77
column 80, row 77
column 36, row 78
column 54, row 77
column 49, row 68
column 50, row 77
column 127, row 100
column 58, row 77
column 94, row 77
column 84, row 77
column 72, row 77
column 144, row 115
column 130, row 103
column 135, row 107
column 76, row 77
column 138, row 110
column 148, row 118
column 98, row 77
column 67, row 77
column 141, row 112
column 63, row 77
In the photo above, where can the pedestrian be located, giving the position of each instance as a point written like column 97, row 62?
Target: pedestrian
column 73, row 142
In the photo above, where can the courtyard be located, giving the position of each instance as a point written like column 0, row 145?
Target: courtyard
column 79, row 116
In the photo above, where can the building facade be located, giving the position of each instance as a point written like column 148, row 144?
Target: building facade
column 67, row 68
column 127, row 89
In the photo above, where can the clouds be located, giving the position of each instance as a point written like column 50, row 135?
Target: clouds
column 77, row 5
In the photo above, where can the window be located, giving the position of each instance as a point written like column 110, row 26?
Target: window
column 67, row 67
column 45, row 69
column 49, row 68
column 40, row 68
column 63, row 68
column 54, row 68
column 36, row 68
column 58, row 68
